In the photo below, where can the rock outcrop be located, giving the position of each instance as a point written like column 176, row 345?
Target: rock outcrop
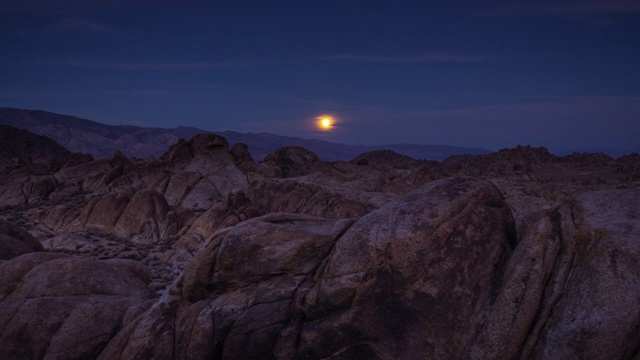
column 399, row 282
column 405, row 280
column 206, row 254
column 19, row 146
column 14, row 241
column 58, row 307
column 294, row 161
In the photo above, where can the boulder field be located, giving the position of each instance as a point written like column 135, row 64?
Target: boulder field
column 205, row 253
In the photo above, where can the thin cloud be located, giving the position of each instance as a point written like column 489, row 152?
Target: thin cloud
column 70, row 24
column 422, row 58
column 216, row 87
column 187, row 65
column 29, row 95
column 196, row 65
column 136, row 92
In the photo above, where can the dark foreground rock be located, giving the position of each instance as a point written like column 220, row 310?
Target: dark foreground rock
column 398, row 283
column 15, row 241
column 385, row 257
column 59, row 307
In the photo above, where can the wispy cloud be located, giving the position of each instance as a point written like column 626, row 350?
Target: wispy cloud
column 421, row 58
column 215, row 87
column 136, row 92
column 116, row 65
column 29, row 94
column 74, row 24
column 195, row 65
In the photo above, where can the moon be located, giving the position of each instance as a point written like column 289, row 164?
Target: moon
column 325, row 122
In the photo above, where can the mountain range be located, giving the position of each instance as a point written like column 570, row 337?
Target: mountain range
column 102, row 140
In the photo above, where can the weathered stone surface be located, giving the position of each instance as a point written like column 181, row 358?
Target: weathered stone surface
column 149, row 336
column 404, row 280
column 436, row 272
column 145, row 219
column 296, row 161
column 39, row 188
column 85, row 174
column 305, row 198
column 385, row 158
column 598, row 314
column 236, row 293
column 69, row 243
column 237, row 208
column 191, row 191
column 57, row 218
column 21, row 188
column 101, row 214
column 533, row 282
column 15, row 241
column 260, row 248
column 58, row 307
column 241, row 153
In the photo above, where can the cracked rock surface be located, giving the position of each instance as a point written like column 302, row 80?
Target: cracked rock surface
column 206, row 254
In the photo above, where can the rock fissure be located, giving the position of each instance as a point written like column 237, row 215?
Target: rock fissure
column 544, row 313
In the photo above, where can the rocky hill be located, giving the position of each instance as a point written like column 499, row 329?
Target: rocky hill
column 204, row 253
column 101, row 141
column 20, row 147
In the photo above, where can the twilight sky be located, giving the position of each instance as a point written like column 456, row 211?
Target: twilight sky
column 492, row 74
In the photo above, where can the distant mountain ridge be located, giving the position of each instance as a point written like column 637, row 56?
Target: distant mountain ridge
column 102, row 140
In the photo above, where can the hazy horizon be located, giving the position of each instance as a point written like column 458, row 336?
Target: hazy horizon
column 497, row 75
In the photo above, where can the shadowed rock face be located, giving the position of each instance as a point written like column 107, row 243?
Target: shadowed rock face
column 399, row 282
column 206, row 254
column 14, row 241
column 405, row 279
column 296, row 161
column 598, row 315
column 17, row 145
column 55, row 306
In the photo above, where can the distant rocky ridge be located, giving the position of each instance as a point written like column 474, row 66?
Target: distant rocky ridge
column 18, row 146
column 204, row 253
column 101, row 141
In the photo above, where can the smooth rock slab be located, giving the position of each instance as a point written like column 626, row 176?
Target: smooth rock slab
column 54, row 306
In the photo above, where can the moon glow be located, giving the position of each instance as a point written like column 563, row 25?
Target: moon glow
column 325, row 122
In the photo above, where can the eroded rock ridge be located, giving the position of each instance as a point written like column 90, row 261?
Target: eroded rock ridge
column 205, row 253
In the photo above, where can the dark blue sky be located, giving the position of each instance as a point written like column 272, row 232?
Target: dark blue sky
column 493, row 74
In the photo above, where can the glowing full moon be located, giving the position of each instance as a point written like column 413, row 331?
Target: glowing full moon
column 325, row 122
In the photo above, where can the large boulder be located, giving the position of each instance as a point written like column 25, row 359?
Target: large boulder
column 191, row 191
column 296, row 161
column 236, row 294
column 598, row 315
column 146, row 218
column 101, row 214
column 404, row 281
column 286, row 195
column 143, row 217
column 59, row 307
column 533, row 282
column 386, row 158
